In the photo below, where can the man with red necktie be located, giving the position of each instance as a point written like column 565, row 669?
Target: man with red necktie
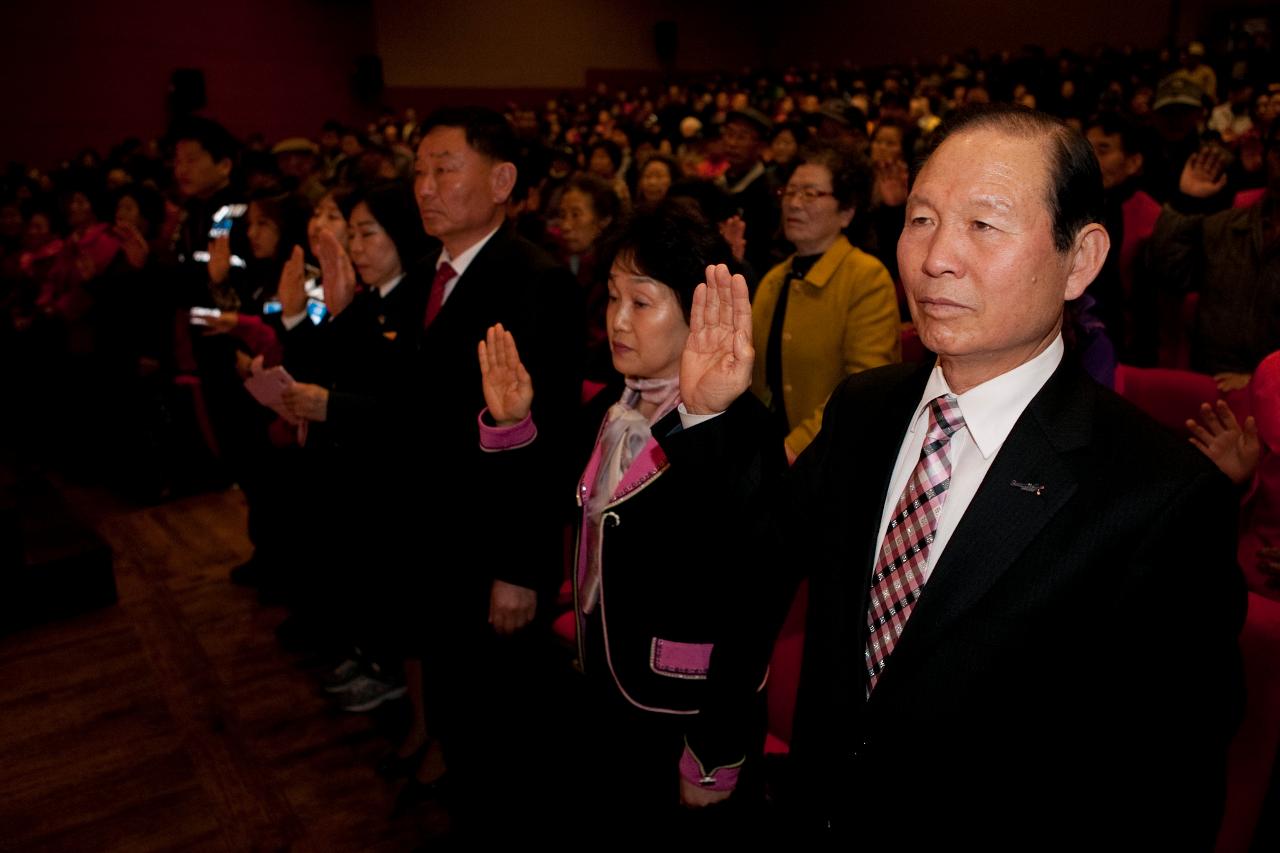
column 476, row 592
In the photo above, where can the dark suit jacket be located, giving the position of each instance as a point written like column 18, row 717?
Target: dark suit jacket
column 1070, row 675
column 467, row 499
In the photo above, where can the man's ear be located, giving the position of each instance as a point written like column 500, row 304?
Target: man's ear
column 1087, row 256
column 502, row 181
column 1133, row 164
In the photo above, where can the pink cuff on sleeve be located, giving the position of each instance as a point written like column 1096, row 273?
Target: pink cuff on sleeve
column 494, row 439
column 715, row 779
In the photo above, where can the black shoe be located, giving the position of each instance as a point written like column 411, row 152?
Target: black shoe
column 415, row 793
column 392, row 766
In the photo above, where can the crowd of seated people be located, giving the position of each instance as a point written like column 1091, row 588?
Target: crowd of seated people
column 143, row 293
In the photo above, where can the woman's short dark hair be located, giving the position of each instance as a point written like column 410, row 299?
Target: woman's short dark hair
column 671, row 242
column 712, row 200
column 1112, row 123
column 611, row 149
column 604, row 200
column 393, row 206
column 799, row 132
column 150, row 206
column 290, row 212
column 92, row 193
column 907, row 132
column 670, row 162
column 850, row 172
column 1074, row 192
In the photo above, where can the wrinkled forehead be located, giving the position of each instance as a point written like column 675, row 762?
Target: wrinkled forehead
column 984, row 162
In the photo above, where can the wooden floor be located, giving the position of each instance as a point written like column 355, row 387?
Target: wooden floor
column 174, row 721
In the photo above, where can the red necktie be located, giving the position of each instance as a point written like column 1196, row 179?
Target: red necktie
column 899, row 579
column 435, row 299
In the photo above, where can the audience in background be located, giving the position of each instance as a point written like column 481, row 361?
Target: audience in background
column 139, row 290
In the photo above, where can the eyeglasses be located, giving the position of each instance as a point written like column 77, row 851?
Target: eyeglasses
column 805, row 194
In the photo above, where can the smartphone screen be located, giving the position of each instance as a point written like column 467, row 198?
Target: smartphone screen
column 316, row 310
column 203, row 316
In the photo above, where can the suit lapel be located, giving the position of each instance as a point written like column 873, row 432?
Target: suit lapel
column 857, row 484
column 468, row 296
column 1004, row 518
column 883, row 436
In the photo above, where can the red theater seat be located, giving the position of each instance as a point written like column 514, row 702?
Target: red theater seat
column 1251, row 761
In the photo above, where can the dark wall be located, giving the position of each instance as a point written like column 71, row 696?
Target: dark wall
column 80, row 74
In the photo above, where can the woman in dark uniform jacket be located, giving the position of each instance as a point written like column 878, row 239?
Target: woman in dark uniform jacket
column 650, row 604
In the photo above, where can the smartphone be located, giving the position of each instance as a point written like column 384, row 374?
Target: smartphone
column 224, row 217
column 203, row 316
column 316, row 310
column 272, row 306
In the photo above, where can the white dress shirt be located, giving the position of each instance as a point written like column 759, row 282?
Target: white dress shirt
column 461, row 262
column 990, row 410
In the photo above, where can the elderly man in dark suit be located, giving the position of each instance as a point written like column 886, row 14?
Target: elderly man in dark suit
column 476, row 591
column 1023, row 598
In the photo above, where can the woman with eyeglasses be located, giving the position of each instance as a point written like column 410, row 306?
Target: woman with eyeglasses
column 827, row 311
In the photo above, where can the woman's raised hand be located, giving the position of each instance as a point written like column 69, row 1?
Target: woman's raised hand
column 292, row 290
column 508, row 390
column 716, row 366
column 337, row 275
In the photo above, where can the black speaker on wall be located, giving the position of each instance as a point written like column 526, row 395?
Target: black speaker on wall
column 186, row 91
column 665, row 39
column 367, row 83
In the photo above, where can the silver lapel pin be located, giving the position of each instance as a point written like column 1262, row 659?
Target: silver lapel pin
column 1036, row 489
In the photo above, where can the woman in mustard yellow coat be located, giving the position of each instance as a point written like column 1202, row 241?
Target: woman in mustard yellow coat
column 830, row 309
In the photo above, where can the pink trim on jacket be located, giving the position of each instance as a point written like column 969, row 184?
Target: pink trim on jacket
column 495, row 439
column 716, row 779
column 647, row 464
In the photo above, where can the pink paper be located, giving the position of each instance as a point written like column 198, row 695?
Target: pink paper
column 268, row 387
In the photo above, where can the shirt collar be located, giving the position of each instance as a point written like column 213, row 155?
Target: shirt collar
column 465, row 258
column 991, row 409
column 385, row 289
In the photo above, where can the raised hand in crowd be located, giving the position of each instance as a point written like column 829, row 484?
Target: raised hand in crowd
column 1231, row 381
column 1219, row 436
column 307, row 402
column 716, row 365
column 336, row 274
column 1205, row 173
column 890, row 187
column 223, row 324
column 734, row 232
column 220, row 259
column 133, row 244
column 508, row 390
column 292, row 289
